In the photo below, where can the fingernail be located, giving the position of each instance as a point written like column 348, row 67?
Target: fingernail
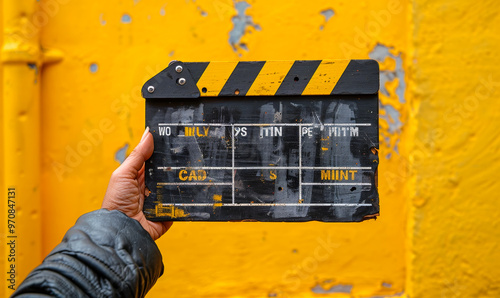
column 144, row 135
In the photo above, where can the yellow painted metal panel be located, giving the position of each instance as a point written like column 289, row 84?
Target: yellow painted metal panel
column 270, row 77
column 326, row 77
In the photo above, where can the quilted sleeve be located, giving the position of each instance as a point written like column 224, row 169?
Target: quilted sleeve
column 105, row 254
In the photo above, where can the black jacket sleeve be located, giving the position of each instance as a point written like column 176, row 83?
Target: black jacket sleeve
column 105, row 254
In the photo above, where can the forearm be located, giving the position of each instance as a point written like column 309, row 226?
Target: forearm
column 105, row 254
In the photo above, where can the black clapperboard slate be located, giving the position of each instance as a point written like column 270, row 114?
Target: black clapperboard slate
column 263, row 141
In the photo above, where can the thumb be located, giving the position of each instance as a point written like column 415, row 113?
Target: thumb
column 140, row 154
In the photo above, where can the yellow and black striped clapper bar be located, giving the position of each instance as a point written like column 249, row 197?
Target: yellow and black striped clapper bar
column 264, row 78
column 263, row 141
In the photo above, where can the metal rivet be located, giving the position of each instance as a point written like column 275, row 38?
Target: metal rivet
column 178, row 68
column 151, row 89
column 181, row 81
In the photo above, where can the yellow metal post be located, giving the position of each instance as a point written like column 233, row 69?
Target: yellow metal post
column 21, row 59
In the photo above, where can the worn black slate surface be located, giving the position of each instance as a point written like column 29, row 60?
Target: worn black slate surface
column 296, row 158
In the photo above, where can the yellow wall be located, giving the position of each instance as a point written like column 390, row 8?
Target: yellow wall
column 438, row 229
column 455, row 149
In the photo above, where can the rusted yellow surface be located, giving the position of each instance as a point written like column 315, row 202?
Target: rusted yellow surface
column 438, row 230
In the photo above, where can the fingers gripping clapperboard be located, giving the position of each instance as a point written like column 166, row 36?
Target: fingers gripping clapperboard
column 263, row 141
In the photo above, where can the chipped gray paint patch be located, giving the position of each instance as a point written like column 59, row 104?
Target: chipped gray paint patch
column 240, row 24
column 202, row 12
column 35, row 68
column 126, row 19
column 93, row 67
column 327, row 13
column 244, row 46
column 102, row 20
column 380, row 53
column 400, row 294
column 392, row 116
column 120, row 154
column 334, row 289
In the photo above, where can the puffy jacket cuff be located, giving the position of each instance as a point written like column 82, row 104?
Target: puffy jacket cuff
column 116, row 247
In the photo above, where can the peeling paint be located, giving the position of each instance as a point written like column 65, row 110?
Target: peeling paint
column 120, row 154
column 35, row 68
column 327, row 13
column 126, row 19
column 400, row 294
column 244, row 46
column 392, row 116
column 240, row 24
column 93, row 67
column 340, row 288
column 202, row 12
column 382, row 52
column 389, row 111
column 101, row 19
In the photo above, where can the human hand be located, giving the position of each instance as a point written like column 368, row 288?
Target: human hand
column 126, row 188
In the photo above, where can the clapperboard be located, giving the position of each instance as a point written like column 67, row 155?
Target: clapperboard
column 263, row 141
